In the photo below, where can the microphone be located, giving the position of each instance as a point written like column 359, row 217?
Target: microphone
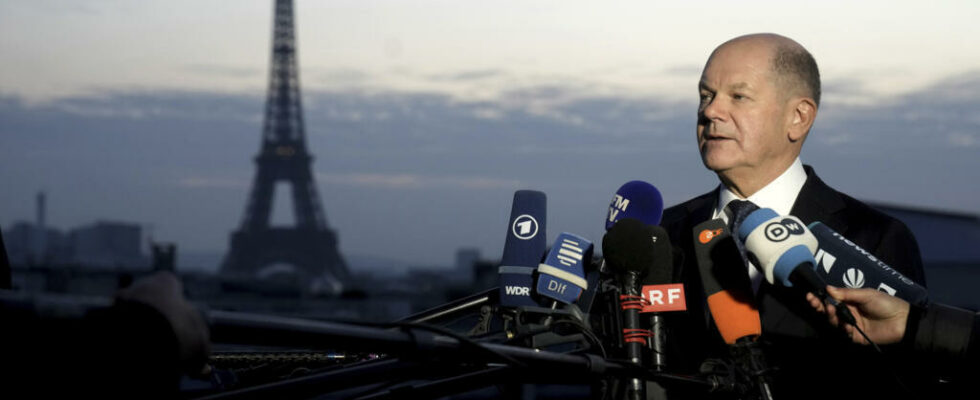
column 638, row 200
column 858, row 268
column 782, row 247
column 661, row 292
column 629, row 250
column 730, row 300
column 726, row 285
column 523, row 248
column 561, row 277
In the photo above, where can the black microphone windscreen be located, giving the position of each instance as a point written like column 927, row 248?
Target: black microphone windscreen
column 631, row 245
column 717, row 257
column 662, row 270
column 626, row 246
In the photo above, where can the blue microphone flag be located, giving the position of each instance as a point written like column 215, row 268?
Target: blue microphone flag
column 844, row 264
column 562, row 274
column 523, row 248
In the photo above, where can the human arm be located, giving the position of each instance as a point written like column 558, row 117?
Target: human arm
column 882, row 317
column 945, row 333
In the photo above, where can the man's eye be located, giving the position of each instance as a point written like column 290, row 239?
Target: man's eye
column 705, row 100
column 737, row 96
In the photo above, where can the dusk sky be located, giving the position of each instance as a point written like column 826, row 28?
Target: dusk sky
column 425, row 116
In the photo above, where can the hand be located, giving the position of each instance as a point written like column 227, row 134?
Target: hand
column 882, row 317
column 164, row 292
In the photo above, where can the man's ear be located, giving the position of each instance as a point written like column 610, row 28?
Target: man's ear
column 803, row 113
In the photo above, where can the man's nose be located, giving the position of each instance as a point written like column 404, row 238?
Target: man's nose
column 712, row 111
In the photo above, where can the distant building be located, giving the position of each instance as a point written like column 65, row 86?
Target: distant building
column 465, row 268
column 102, row 244
column 950, row 247
column 22, row 242
column 485, row 274
column 108, row 245
column 944, row 237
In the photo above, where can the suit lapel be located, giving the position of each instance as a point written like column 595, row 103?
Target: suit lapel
column 702, row 209
column 818, row 202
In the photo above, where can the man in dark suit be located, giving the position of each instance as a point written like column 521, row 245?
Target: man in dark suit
column 759, row 98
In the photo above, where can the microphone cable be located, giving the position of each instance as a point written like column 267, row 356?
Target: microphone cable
column 592, row 338
column 585, row 331
column 887, row 366
column 463, row 340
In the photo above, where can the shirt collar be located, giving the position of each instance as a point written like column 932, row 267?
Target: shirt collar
column 779, row 195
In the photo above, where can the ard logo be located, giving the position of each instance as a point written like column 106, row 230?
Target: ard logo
column 524, row 227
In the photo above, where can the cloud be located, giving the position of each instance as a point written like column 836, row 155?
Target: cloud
column 434, row 151
column 365, row 179
column 834, row 138
column 958, row 88
column 963, row 139
column 223, row 70
column 415, row 181
column 201, row 182
column 683, row 70
column 488, row 113
column 340, row 76
column 847, row 92
column 147, row 104
column 934, row 118
column 49, row 7
column 550, row 101
column 463, row 76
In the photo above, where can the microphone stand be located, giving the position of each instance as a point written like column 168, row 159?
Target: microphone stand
column 454, row 308
column 635, row 388
column 657, row 346
column 360, row 374
column 750, row 359
column 423, row 354
column 445, row 387
column 242, row 328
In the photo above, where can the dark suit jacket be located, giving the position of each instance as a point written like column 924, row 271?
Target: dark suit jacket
column 814, row 359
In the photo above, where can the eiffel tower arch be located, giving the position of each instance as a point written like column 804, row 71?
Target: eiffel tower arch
column 306, row 254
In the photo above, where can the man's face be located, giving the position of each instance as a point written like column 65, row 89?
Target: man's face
column 742, row 117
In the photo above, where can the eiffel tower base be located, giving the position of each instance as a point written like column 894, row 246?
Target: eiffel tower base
column 302, row 261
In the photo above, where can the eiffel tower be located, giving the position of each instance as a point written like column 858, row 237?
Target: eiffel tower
column 305, row 255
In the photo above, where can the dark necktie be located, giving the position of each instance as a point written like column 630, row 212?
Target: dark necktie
column 737, row 210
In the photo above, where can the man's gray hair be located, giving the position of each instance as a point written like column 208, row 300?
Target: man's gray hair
column 796, row 65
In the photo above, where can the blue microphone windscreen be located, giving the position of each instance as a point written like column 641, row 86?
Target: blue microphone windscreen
column 638, row 200
column 526, row 232
column 523, row 248
column 562, row 274
column 753, row 220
